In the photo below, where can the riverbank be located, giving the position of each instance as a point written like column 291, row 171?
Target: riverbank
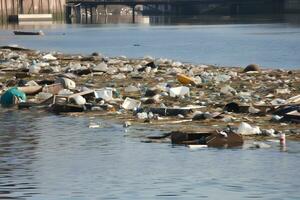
column 161, row 93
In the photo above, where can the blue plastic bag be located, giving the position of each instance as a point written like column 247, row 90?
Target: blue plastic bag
column 12, row 96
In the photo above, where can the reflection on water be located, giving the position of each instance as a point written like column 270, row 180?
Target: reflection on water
column 55, row 157
column 215, row 19
column 18, row 147
column 166, row 20
column 271, row 41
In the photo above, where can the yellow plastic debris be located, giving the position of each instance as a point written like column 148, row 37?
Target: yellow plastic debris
column 185, row 79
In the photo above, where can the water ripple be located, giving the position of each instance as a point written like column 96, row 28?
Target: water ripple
column 44, row 156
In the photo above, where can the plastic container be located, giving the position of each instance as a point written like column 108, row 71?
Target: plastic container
column 179, row 91
column 130, row 104
column 104, row 93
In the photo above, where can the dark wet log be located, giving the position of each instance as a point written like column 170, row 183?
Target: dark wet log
column 171, row 111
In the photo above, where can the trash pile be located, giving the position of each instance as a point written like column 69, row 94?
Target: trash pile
column 180, row 97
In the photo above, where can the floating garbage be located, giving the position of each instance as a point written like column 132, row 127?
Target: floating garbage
column 207, row 137
column 171, row 111
column 269, row 132
column 278, row 101
column 252, row 67
column 102, row 67
column 49, row 57
column 228, row 90
column 253, row 110
column 247, row 129
column 287, row 114
column 97, row 125
column 79, row 100
column 112, row 70
column 31, row 90
column 202, row 116
column 294, row 99
column 130, row 104
column 65, row 92
column 282, row 139
column 283, row 91
column 224, row 139
column 185, row 79
column 53, row 88
column 31, row 83
column 222, row 78
column 104, row 93
column 42, row 96
column 200, row 95
column 142, row 115
column 67, row 83
column 12, row 97
column 197, row 146
column 179, row 91
column 34, row 68
column 127, row 124
column 131, row 89
column 119, row 76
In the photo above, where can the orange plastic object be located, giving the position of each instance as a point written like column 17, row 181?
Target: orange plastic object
column 185, row 79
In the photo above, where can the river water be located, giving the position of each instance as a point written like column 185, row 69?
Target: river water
column 45, row 156
column 231, row 41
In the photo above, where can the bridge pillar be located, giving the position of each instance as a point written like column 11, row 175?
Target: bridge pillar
column 91, row 12
column 77, row 11
column 105, row 9
column 86, row 14
column 68, row 13
column 133, row 13
column 48, row 6
column 21, row 6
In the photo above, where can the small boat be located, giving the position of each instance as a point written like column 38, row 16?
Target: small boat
column 28, row 33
